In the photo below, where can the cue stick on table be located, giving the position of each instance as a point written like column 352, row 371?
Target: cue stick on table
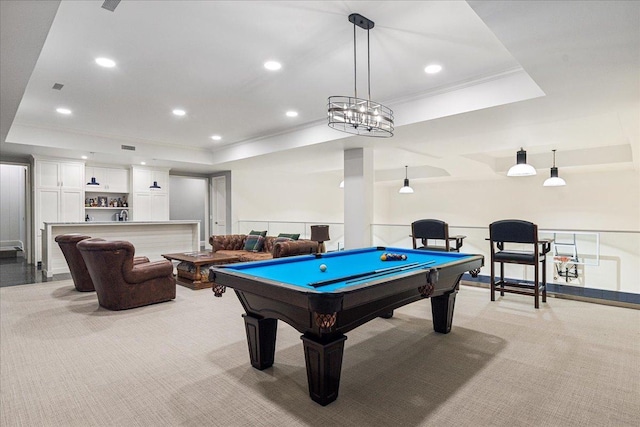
column 369, row 273
column 398, row 269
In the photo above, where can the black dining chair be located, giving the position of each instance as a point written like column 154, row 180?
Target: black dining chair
column 424, row 230
column 516, row 242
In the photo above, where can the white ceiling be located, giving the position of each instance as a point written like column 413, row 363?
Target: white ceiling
column 541, row 75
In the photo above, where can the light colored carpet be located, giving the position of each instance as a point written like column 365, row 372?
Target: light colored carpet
column 66, row 362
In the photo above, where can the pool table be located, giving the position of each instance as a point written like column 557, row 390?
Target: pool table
column 355, row 287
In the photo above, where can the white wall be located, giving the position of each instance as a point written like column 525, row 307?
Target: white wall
column 605, row 201
column 281, row 196
column 594, row 201
column 597, row 201
column 12, row 202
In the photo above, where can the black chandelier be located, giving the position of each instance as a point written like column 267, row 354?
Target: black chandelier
column 357, row 115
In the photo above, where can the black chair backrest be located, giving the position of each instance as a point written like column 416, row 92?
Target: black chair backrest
column 429, row 229
column 513, row 231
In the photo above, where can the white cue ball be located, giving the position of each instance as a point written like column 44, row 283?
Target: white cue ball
column 323, row 268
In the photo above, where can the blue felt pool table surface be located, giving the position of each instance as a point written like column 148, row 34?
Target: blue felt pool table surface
column 303, row 271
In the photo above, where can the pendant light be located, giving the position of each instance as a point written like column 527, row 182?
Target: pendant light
column 406, row 189
column 521, row 168
column 355, row 115
column 554, row 180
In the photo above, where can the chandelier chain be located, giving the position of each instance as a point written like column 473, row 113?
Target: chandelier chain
column 355, row 63
column 368, row 68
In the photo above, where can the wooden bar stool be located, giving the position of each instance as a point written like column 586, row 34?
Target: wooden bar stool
column 522, row 233
column 433, row 229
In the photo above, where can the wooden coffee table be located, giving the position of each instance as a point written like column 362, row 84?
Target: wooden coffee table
column 189, row 269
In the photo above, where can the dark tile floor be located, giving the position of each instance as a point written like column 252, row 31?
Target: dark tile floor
column 16, row 271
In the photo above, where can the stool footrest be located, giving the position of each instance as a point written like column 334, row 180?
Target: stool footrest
column 520, row 288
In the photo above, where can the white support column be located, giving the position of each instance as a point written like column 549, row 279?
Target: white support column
column 358, row 197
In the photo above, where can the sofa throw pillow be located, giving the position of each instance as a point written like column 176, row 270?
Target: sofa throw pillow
column 281, row 239
column 253, row 243
column 291, row 236
column 258, row 233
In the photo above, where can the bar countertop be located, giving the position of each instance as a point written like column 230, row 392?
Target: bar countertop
column 87, row 223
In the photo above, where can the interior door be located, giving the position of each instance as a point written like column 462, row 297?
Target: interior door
column 219, row 205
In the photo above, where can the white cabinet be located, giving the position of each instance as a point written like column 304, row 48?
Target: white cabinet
column 109, row 180
column 51, row 174
column 151, row 206
column 159, row 207
column 118, row 180
column 144, row 180
column 150, row 200
column 59, row 195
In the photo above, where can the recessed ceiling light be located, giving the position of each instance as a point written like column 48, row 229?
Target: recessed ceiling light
column 84, row 157
column 143, row 163
column 272, row 65
column 105, row 62
column 292, row 114
column 433, row 69
column 216, row 137
column 179, row 112
column 63, row 111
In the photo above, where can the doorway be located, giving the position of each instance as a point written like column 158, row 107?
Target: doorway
column 189, row 202
column 14, row 234
column 220, row 204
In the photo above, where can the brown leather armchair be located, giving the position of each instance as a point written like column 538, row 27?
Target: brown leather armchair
column 120, row 284
column 79, row 273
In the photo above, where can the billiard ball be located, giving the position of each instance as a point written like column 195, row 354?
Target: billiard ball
column 383, row 257
column 323, row 268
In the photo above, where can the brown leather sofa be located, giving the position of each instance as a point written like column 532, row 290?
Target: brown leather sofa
column 79, row 273
column 120, row 284
column 233, row 244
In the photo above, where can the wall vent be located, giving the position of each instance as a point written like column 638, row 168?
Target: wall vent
column 110, row 4
column 57, row 86
column 128, row 147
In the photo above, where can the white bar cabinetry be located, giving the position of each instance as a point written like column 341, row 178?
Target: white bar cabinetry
column 110, row 184
column 150, row 200
column 58, row 195
column 110, row 180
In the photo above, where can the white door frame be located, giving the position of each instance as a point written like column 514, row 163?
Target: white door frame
column 216, row 181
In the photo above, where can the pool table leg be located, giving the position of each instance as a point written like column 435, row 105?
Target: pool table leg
column 261, row 337
column 442, row 311
column 387, row 315
column 324, row 363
